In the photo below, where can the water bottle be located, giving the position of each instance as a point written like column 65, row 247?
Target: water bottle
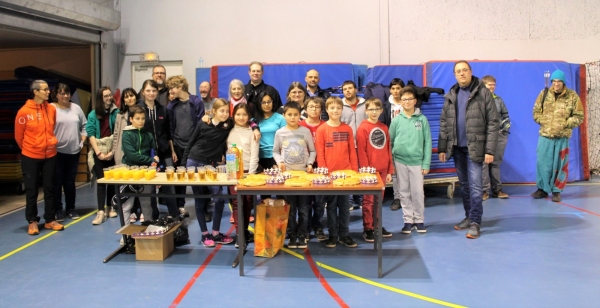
column 231, row 159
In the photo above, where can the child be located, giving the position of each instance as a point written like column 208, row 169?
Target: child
column 206, row 146
column 314, row 106
column 242, row 136
column 492, row 171
column 137, row 144
column 411, row 149
column 294, row 149
column 373, row 151
column 336, row 151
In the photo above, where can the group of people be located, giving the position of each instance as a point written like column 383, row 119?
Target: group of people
column 165, row 125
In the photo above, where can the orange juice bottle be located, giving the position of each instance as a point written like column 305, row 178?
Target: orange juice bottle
column 240, row 164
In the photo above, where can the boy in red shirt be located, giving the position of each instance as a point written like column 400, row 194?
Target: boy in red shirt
column 336, row 151
column 374, row 150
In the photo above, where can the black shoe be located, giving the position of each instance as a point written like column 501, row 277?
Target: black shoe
column 301, row 242
column 463, row 224
column 420, row 227
column 407, row 229
column 208, row 217
column 395, row 205
column 331, row 242
column 347, row 240
column 59, row 215
column 539, row 194
column 555, row 197
column 369, row 236
column 385, row 233
column 473, row 232
column 320, row 235
column 292, row 242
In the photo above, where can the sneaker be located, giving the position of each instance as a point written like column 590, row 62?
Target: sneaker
column 292, row 242
column 59, row 215
column 369, row 236
column 463, row 224
column 351, row 207
column 183, row 212
column 33, row 228
column 132, row 218
column 502, row 195
column 100, row 218
column 54, row 226
column 207, row 240
column 385, row 233
column 420, row 227
column 73, row 215
column 407, row 229
column 556, row 197
column 473, row 231
column 112, row 213
column 222, row 239
column 301, row 243
column 395, row 205
column 320, row 235
column 539, row 194
column 142, row 218
column 486, row 195
column 251, row 218
column 331, row 242
column 347, row 240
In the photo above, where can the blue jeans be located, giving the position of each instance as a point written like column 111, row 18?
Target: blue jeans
column 316, row 212
column 200, row 203
column 297, row 204
column 469, row 176
column 338, row 215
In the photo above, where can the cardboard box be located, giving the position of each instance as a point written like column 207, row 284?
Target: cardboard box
column 151, row 248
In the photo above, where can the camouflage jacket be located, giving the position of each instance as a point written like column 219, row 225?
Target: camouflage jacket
column 559, row 115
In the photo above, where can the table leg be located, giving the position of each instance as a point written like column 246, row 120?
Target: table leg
column 122, row 220
column 379, row 235
column 377, row 231
column 240, row 236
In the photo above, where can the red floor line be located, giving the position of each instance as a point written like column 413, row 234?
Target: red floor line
column 191, row 282
column 580, row 209
column 322, row 280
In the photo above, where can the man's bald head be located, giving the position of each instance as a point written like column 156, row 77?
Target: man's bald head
column 205, row 90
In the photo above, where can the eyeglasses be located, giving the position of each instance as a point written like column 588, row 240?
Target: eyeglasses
column 267, row 102
column 313, row 107
column 159, row 73
column 44, row 90
column 464, row 70
column 373, row 109
column 406, row 100
column 107, row 96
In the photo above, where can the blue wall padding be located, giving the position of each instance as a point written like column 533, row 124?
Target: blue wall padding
column 202, row 74
column 383, row 74
column 360, row 75
column 369, row 75
column 281, row 76
column 432, row 110
column 519, row 84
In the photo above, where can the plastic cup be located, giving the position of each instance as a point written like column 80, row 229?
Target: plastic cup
column 211, row 174
column 148, row 175
column 191, row 173
column 170, row 172
column 202, row 173
column 127, row 175
column 117, row 174
column 107, row 173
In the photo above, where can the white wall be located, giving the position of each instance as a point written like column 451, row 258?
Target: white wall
column 368, row 32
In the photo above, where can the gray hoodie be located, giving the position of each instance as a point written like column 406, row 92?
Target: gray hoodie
column 354, row 118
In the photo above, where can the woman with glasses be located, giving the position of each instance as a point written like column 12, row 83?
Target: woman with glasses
column 34, row 133
column 71, row 134
column 100, row 127
column 297, row 93
column 268, row 122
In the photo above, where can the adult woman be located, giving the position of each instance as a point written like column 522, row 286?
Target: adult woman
column 297, row 93
column 236, row 97
column 157, row 123
column 100, row 127
column 70, row 133
column 34, row 133
column 269, row 122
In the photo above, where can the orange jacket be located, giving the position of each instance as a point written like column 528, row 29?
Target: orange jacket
column 34, row 130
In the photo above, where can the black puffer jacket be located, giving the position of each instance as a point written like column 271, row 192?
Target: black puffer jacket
column 482, row 122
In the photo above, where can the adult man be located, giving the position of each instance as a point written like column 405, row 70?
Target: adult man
column 204, row 91
column 558, row 110
column 469, row 133
column 159, row 74
column 256, row 85
column 184, row 113
column 492, row 171
column 312, row 86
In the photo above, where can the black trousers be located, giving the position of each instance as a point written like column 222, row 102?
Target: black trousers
column 104, row 192
column 31, row 169
column 64, row 180
column 179, row 189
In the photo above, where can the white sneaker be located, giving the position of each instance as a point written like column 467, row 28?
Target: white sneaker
column 182, row 211
column 112, row 213
column 100, row 218
column 121, row 242
column 132, row 218
column 141, row 217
